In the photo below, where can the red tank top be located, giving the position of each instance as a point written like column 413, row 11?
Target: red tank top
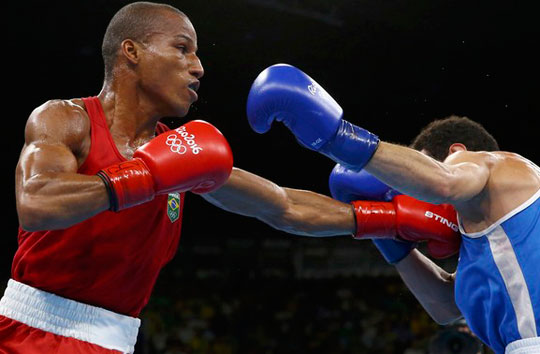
column 111, row 260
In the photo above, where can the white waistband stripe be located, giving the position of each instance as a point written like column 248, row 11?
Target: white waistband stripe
column 68, row 318
column 524, row 346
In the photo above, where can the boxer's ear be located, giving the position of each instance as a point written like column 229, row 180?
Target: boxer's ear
column 130, row 50
column 456, row 147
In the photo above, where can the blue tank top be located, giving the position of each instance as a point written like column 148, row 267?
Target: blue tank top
column 497, row 284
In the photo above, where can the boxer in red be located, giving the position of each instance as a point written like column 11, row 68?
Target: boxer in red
column 100, row 189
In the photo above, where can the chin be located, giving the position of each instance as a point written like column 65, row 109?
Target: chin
column 180, row 110
column 182, row 113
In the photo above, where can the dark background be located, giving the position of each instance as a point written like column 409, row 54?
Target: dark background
column 392, row 65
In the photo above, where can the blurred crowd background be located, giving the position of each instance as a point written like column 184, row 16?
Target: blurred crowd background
column 236, row 285
column 261, row 295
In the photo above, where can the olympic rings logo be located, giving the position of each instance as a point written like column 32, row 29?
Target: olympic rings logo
column 175, row 144
column 179, row 147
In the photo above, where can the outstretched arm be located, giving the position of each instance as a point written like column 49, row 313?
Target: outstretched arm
column 285, row 93
column 459, row 178
column 294, row 211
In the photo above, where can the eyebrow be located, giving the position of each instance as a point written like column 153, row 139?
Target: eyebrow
column 187, row 38
column 184, row 36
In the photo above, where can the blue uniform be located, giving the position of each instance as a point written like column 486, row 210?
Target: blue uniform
column 498, row 278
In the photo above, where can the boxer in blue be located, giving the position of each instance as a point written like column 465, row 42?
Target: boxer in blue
column 496, row 287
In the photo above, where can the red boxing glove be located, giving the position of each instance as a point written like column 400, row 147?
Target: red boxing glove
column 412, row 220
column 194, row 157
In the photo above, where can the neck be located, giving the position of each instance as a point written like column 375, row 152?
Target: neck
column 129, row 114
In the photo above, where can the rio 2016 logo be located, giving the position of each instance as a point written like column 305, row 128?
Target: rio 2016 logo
column 176, row 144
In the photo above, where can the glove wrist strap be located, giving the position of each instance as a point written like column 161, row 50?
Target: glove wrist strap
column 351, row 146
column 374, row 219
column 128, row 184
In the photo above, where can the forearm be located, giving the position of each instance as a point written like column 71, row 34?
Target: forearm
column 50, row 201
column 432, row 286
column 411, row 172
column 462, row 176
column 291, row 210
column 313, row 214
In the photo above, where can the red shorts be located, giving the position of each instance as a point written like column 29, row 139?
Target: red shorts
column 18, row 338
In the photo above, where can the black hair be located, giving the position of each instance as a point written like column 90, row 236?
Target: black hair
column 134, row 21
column 437, row 137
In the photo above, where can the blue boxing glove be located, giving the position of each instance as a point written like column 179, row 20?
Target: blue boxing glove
column 284, row 93
column 347, row 186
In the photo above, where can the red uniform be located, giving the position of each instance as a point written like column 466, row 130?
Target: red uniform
column 111, row 260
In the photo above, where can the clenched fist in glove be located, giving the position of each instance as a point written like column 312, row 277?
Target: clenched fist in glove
column 194, row 157
column 393, row 221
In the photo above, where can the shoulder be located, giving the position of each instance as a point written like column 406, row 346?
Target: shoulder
column 491, row 159
column 477, row 157
column 60, row 112
column 516, row 171
column 62, row 121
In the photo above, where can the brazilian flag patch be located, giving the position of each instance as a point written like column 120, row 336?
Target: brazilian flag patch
column 173, row 206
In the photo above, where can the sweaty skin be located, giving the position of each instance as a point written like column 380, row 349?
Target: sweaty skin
column 482, row 186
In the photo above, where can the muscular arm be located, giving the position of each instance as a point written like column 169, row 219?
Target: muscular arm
column 459, row 178
column 291, row 210
column 49, row 192
column 431, row 285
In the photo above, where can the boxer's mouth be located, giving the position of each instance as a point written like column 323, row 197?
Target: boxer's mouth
column 194, row 85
